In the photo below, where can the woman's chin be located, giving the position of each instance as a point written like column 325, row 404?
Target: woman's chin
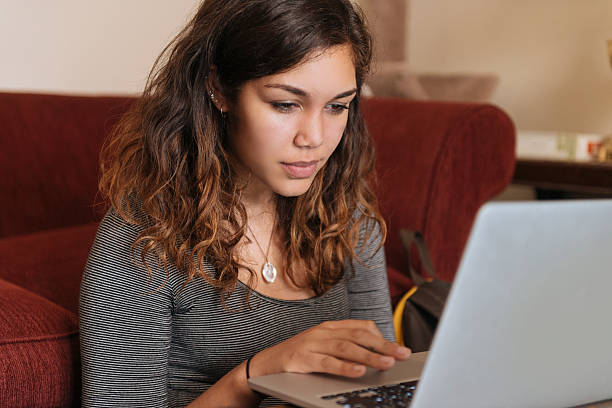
column 293, row 188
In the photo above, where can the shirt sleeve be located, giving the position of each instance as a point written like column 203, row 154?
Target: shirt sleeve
column 368, row 287
column 125, row 319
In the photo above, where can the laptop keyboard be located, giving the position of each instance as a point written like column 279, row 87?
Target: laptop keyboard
column 395, row 395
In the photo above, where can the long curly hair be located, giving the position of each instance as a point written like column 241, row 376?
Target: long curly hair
column 169, row 155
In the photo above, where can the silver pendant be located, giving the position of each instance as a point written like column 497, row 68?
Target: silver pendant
column 269, row 272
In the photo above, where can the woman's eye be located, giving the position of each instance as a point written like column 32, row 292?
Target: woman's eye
column 285, row 107
column 337, row 108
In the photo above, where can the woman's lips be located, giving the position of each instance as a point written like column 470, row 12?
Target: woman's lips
column 301, row 169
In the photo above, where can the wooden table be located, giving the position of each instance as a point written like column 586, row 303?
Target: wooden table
column 583, row 177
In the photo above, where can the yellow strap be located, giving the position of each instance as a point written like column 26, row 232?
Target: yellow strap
column 397, row 315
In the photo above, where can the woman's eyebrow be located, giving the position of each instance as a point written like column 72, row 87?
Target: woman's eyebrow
column 288, row 88
column 345, row 94
column 301, row 92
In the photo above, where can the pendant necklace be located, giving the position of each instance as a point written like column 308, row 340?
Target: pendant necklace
column 268, row 270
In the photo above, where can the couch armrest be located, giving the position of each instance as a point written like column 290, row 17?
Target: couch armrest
column 39, row 351
column 437, row 163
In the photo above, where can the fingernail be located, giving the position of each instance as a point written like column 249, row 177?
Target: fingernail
column 386, row 359
column 404, row 352
column 358, row 368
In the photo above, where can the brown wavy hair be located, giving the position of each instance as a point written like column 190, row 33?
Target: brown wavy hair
column 169, row 155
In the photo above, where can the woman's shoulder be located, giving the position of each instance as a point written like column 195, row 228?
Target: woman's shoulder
column 116, row 254
column 121, row 227
column 370, row 230
column 132, row 218
column 116, row 236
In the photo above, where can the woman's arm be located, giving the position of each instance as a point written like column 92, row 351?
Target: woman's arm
column 368, row 288
column 124, row 324
column 232, row 390
column 343, row 347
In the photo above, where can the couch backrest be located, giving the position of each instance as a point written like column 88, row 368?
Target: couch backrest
column 49, row 151
column 437, row 163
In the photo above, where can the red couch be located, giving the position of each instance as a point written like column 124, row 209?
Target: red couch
column 437, row 164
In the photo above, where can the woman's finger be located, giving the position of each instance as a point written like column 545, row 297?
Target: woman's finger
column 367, row 341
column 352, row 324
column 332, row 365
column 349, row 351
column 303, row 361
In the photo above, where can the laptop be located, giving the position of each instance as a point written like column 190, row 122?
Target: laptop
column 528, row 321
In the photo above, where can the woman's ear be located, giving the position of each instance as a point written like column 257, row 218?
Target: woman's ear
column 214, row 92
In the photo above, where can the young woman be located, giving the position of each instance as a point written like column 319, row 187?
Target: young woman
column 243, row 238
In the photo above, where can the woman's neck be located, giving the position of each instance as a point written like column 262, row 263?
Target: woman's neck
column 258, row 199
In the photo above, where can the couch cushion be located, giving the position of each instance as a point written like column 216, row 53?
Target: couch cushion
column 39, row 345
column 48, row 263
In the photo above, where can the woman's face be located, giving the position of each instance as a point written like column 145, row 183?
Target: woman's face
column 284, row 127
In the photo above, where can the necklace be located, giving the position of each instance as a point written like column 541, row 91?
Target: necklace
column 268, row 270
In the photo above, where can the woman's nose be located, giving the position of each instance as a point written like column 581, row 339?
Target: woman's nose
column 310, row 131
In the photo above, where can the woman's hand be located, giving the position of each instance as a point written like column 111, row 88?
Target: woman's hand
column 342, row 347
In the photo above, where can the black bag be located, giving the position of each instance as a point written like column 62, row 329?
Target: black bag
column 417, row 314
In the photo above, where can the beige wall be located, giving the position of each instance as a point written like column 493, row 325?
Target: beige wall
column 85, row 46
column 550, row 54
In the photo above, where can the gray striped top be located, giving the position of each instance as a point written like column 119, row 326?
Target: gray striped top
column 146, row 346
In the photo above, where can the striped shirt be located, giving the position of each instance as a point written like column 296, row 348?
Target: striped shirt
column 146, row 343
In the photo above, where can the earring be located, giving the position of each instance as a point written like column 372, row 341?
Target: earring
column 214, row 99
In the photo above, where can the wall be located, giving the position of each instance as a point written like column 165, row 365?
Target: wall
column 550, row 55
column 85, row 46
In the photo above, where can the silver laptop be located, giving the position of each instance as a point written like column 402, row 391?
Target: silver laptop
column 528, row 322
